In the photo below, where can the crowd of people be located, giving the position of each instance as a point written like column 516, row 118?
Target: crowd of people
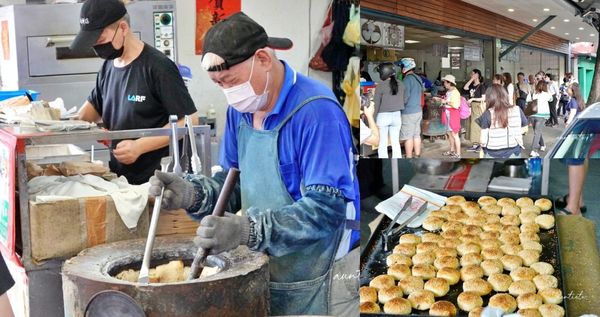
column 494, row 117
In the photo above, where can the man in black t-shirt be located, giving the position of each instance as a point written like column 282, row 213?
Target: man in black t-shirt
column 138, row 87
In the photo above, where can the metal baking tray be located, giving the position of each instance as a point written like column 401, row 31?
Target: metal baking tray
column 372, row 260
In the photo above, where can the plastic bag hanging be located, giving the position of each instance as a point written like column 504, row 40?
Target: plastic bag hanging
column 352, row 32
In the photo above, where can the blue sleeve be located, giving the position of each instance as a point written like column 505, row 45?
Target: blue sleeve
column 572, row 104
column 228, row 154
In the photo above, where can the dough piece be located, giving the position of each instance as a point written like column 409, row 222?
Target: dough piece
column 442, row 308
column 491, row 267
column 421, row 300
column 503, row 301
column 438, row 286
column 529, row 301
column 398, row 272
column 368, row 294
column 524, row 201
column 492, row 227
column 451, row 234
column 486, row 200
column 490, row 235
column 531, row 245
column 451, row 209
column 545, row 221
column 424, row 271
column 511, row 262
column 512, row 229
column 459, row 217
column 478, row 221
column 410, row 238
column 490, row 244
column 545, row 204
column 511, row 249
column 511, row 210
column 398, row 258
column 431, row 237
column 446, row 261
column 492, row 254
column 531, row 227
column 408, row 249
column 492, row 219
column 476, row 312
column 423, row 258
column 427, row 247
column 382, row 281
column 452, row 276
column 551, row 310
column 449, row 243
column 471, row 272
column 529, row 236
column 455, row 200
column 470, row 229
column 543, row 268
column 506, row 202
column 543, row 282
column 523, row 273
column 465, row 248
column 551, row 296
column 439, row 214
column 527, row 217
column 492, row 209
column 398, row 306
column 510, row 220
column 433, row 223
column 369, row 307
column 500, row 282
column 509, row 238
column 411, row 284
column 534, row 209
column 387, row 294
column 442, row 252
column 470, row 208
column 471, row 259
column 129, row 275
column 478, row 286
column 529, row 257
column 171, row 272
column 470, row 238
column 521, row 287
column 529, row 313
column 468, row 301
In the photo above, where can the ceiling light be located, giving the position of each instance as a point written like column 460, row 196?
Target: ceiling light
column 552, row 27
column 567, row 33
column 535, row 20
column 577, row 38
column 455, row 47
column 511, row 10
column 546, row 9
column 450, row 36
column 566, row 20
column 592, row 34
column 411, row 41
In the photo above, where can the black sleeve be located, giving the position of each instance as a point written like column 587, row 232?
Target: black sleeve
column 171, row 90
column 6, row 280
column 485, row 120
column 95, row 97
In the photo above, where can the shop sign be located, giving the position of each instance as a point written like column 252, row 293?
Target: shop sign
column 455, row 60
column 440, row 50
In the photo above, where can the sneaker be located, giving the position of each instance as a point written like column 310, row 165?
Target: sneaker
column 534, row 154
column 474, row 148
column 543, row 148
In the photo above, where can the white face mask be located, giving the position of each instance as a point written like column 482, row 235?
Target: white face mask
column 243, row 98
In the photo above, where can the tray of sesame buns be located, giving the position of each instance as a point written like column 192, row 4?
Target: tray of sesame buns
column 477, row 251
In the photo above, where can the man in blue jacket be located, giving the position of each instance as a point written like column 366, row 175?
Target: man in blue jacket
column 298, row 190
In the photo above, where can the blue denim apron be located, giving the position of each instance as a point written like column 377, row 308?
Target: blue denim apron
column 299, row 282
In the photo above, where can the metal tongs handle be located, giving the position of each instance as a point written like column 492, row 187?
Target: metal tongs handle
column 389, row 232
column 196, row 163
column 220, row 206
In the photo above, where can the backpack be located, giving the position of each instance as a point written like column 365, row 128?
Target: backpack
column 464, row 109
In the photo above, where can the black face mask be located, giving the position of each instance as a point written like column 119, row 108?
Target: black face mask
column 107, row 50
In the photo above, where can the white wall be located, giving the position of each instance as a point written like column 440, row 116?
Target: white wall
column 298, row 20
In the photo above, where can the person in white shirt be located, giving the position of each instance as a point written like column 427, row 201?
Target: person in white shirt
column 554, row 90
column 538, row 119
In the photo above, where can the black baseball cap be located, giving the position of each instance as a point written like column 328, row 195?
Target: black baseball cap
column 95, row 16
column 236, row 38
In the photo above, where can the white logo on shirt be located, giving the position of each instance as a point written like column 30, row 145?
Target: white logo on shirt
column 136, row 98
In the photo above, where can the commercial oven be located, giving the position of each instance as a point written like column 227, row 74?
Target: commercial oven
column 35, row 41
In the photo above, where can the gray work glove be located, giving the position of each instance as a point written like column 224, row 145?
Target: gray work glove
column 220, row 234
column 179, row 193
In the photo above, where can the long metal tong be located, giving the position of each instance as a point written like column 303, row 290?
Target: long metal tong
column 228, row 186
column 389, row 232
column 196, row 164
